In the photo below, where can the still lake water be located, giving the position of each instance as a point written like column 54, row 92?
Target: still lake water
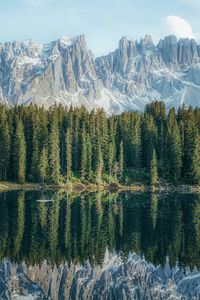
column 99, row 246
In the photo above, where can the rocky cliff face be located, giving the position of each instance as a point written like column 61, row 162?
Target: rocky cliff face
column 66, row 72
column 115, row 279
column 62, row 72
column 139, row 72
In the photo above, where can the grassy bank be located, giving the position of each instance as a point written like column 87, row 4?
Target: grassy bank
column 79, row 186
column 76, row 186
column 9, row 186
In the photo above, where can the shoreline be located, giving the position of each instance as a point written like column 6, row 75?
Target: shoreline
column 89, row 187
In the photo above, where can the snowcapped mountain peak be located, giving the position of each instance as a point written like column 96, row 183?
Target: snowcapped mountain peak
column 65, row 41
column 148, row 39
column 29, row 43
column 65, row 71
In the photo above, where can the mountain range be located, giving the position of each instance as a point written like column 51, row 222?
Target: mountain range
column 66, row 72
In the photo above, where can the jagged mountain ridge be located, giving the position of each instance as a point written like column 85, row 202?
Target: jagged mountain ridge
column 65, row 71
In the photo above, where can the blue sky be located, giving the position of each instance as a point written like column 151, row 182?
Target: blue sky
column 103, row 22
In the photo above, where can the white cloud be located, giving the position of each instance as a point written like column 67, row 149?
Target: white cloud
column 178, row 26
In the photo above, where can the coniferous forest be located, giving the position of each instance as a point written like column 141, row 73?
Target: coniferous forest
column 60, row 145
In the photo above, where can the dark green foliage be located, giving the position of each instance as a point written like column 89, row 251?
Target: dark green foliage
column 174, row 148
column 99, row 164
column 68, row 154
column 195, row 170
column 136, row 143
column 5, row 144
column 43, row 165
column 19, row 152
column 54, row 150
column 154, row 169
column 121, row 159
column 89, row 157
column 149, row 135
column 35, row 151
column 83, row 154
column 57, row 144
column 110, row 158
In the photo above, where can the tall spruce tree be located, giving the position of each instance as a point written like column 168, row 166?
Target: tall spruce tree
column 54, row 149
column 35, row 151
column 76, row 143
column 136, row 143
column 190, row 130
column 121, row 159
column 5, row 145
column 149, row 133
column 158, row 111
column 89, row 157
column 83, row 154
column 43, row 165
column 174, row 151
column 154, row 169
column 19, row 152
column 68, row 154
column 99, row 164
column 110, row 159
column 195, row 170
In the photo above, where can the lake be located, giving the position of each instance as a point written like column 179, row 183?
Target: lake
column 55, row 245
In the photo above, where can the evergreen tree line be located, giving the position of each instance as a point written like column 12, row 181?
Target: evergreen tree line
column 60, row 144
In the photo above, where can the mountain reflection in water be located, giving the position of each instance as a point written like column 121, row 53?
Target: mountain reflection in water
column 99, row 246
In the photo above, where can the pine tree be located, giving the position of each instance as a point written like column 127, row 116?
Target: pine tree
column 136, row 144
column 22, row 155
column 68, row 154
column 89, row 157
column 99, row 165
column 190, row 130
column 174, row 151
column 98, row 150
column 35, row 151
column 19, row 152
column 121, row 160
column 83, row 154
column 158, row 112
column 116, row 170
column 54, row 150
column 29, row 115
column 110, row 159
column 103, row 126
column 149, row 134
column 76, row 144
column 43, row 165
column 154, row 169
column 5, row 144
column 196, row 160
